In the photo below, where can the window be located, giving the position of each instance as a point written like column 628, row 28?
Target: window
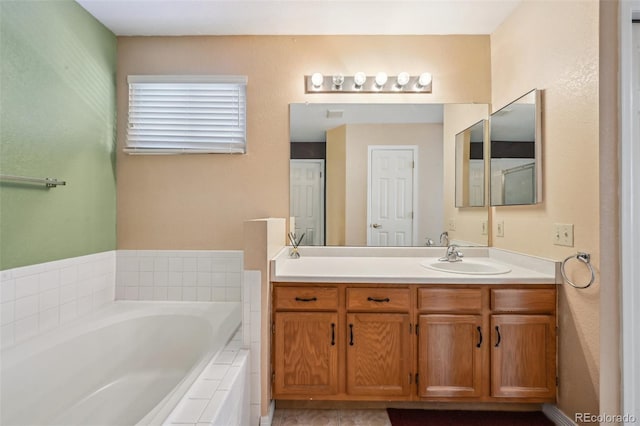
column 186, row 114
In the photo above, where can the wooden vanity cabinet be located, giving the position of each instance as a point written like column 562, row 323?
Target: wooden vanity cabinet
column 305, row 341
column 340, row 342
column 488, row 343
column 523, row 344
column 452, row 343
column 471, row 343
column 378, row 359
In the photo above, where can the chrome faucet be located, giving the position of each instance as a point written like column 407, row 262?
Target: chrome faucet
column 444, row 239
column 453, row 255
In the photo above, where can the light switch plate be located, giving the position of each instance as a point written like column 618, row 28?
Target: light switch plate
column 563, row 234
column 500, row 229
column 485, row 227
column 452, row 224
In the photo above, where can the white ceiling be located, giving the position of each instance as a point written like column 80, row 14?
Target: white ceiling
column 309, row 122
column 299, row 17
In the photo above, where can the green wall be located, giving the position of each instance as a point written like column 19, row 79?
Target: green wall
column 57, row 119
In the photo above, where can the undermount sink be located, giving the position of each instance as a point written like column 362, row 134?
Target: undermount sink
column 471, row 267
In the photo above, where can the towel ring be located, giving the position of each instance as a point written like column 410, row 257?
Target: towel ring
column 584, row 258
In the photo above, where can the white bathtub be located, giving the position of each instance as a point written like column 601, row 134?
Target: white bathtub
column 127, row 364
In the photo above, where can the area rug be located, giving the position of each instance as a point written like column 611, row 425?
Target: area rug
column 413, row 417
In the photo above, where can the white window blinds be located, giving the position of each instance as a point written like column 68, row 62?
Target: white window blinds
column 186, row 114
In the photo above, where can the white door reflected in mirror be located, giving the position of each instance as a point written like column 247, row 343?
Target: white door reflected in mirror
column 307, row 200
column 391, row 192
column 470, row 165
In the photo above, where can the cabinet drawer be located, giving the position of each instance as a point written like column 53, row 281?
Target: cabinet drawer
column 378, row 299
column 305, row 298
column 449, row 299
column 523, row 300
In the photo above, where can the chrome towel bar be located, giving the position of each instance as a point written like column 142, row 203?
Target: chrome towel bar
column 584, row 258
column 48, row 182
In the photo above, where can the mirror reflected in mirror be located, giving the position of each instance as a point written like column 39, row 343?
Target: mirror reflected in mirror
column 370, row 174
column 470, row 166
column 516, row 145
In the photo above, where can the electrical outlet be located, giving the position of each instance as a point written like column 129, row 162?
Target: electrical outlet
column 500, row 229
column 485, row 227
column 452, row 224
column 563, row 234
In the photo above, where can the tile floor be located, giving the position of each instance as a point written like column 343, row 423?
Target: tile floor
column 295, row 417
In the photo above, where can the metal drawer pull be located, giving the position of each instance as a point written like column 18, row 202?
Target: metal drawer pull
column 350, row 334
column 480, row 337
column 373, row 299
column 499, row 336
column 304, row 299
column 333, row 334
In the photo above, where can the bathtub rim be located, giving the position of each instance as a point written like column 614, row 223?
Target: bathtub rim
column 116, row 311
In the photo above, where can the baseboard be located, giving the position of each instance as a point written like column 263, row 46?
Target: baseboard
column 268, row 419
column 557, row 416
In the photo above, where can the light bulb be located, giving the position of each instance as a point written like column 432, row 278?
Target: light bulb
column 381, row 79
column 359, row 79
column 316, row 80
column 338, row 79
column 402, row 79
column 424, row 80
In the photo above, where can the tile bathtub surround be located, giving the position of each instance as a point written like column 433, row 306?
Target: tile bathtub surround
column 38, row 298
column 251, row 334
column 220, row 395
column 191, row 275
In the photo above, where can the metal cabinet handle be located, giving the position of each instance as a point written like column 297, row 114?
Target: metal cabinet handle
column 499, row 336
column 333, row 334
column 306, row 299
column 373, row 299
column 376, row 225
column 479, row 336
column 350, row 334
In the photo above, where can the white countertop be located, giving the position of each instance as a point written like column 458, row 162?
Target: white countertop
column 403, row 266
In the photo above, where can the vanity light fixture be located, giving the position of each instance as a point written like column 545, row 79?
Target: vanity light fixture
column 359, row 79
column 317, row 80
column 402, row 80
column 338, row 80
column 423, row 81
column 363, row 83
column 381, row 80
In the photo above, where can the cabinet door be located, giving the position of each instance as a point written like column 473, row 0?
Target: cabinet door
column 306, row 353
column 523, row 351
column 450, row 349
column 378, row 354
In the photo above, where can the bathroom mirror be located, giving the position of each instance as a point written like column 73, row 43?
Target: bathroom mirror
column 374, row 174
column 516, row 146
column 470, row 166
